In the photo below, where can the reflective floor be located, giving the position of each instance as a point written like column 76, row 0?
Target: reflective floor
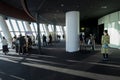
column 55, row 64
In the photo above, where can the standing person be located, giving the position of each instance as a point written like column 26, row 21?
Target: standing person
column 13, row 41
column 4, row 45
column 22, row 43
column 92, row 42
column 105, row 41
column 50, row 39
column 44, row 40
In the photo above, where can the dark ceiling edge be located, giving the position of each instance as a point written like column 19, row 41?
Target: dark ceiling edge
column 10, row 11
column 23, row 2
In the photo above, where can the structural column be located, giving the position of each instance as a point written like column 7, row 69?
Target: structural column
column 72, row 31
column 5, row 30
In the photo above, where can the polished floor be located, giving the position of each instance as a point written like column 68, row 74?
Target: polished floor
column 53, row 63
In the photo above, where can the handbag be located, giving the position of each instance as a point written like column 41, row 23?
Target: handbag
column 105, row 45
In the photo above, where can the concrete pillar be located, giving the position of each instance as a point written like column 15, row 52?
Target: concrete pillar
column 5, row 30
column 72, row 31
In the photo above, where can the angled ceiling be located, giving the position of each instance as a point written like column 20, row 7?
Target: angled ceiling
column 54, row 10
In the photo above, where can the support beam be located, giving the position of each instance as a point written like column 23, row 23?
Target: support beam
column 38, row 35
column 72, row 31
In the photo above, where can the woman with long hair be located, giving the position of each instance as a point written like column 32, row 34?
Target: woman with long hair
column 105, row 40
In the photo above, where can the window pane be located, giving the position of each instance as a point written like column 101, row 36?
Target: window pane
column 12, row 34
column 41, row 27
column 65, row 29
column 58, row 28
column 35, row 27
column 20, row 26
column 25, row 25
column 17, row 33
column 8, row 24
column 14, row 25
column 0, row 28
column 61, row 29
column 2, row 34
column 50, row 28
column 32, row 27
column 23, row 33
column 44, row 27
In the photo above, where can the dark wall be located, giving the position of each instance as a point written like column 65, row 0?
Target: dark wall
column 91, row 25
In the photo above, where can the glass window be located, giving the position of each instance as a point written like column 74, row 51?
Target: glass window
column 0, row 28
column 58, row 28
column 65, row 29
column 12, row 34
column 44, row 27
column 50, row 28
column 2, row 34
column 35, row 26
column 32, row 27
column 20, row 25
column 41, row 28
column 17, row 33
column 14, row 24
column 8, row 24
column 34, row 34
column 25, row 25
column 61, row 29
column 23, row 33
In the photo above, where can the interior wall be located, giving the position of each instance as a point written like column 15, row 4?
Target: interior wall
column 91, row 27
column 112, row 24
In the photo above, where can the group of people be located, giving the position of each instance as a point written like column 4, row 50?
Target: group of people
column 105, row 40
column 45, row 41
column 22, row 43
column 88, row 40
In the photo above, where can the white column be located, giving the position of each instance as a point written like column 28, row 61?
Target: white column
column 72, row 31
column 5, row 30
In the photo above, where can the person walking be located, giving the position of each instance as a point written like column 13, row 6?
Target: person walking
column 105, row 40
column 5, row 46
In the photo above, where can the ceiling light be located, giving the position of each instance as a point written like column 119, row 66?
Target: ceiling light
column 62, row 5
column 104, row 7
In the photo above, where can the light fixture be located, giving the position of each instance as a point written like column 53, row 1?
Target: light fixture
column 82, row 28
column 62, row 5
column 104, row 7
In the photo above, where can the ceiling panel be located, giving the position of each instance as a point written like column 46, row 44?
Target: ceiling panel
column 54, row 10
